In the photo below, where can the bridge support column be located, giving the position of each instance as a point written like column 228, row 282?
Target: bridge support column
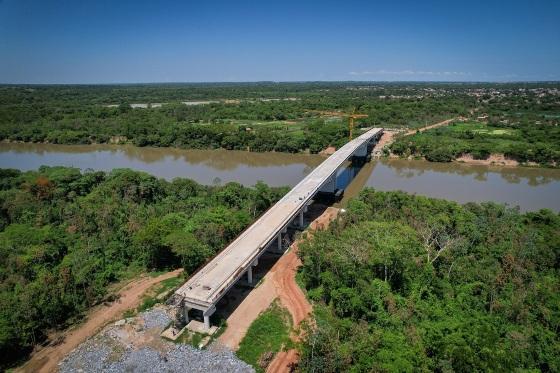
column 186, row 314
column 206, row 314
column 250, row 274
column 280, row 241
column 301, row 219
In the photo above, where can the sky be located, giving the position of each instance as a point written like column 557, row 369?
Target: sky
column 112, row 41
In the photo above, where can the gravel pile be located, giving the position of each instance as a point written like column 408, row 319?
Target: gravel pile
column 88, row 357
column 135, row 346
column 181, row 358
column 155, row 318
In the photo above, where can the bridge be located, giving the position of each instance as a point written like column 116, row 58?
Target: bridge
column 207, row 286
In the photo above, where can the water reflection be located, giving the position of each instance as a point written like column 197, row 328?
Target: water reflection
column 530, row 188
column 204, row 166
column 414, row 168
column 219, row 159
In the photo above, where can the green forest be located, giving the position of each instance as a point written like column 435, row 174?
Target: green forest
column 266, row 116
column 219, row 115
column 539, row 143
column 405, row 283
column 65, row 236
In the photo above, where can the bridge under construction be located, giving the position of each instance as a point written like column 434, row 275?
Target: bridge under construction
column 208, row 285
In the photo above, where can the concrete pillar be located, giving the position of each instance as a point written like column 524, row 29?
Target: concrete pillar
column 279, row 241
column 250, row 274
column 256, row 262
column 301, row 218
column 207, row 315
column 186, row 314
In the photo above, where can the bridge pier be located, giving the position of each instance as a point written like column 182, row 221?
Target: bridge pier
column 206, row 314
column 250, row 275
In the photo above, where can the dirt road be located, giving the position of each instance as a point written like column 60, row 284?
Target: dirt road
column 386, row 139
column 431, row 126
column 47, row 359
column 280, row 283
column 284, row 361
column 292, row 297
column 388, row 136
column 290, row 294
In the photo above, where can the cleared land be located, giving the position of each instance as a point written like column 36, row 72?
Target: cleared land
column 47, row 359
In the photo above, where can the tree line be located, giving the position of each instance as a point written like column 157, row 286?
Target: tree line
column 84, row 115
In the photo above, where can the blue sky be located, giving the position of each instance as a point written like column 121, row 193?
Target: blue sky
column 102, row 41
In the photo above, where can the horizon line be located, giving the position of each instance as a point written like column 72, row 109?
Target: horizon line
column 290, row 81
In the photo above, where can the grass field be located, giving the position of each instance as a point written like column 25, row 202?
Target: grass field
column 535, row 143
column 265, row 337
column 480, row 128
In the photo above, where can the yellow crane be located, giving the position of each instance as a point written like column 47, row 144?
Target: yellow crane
column 351, row 118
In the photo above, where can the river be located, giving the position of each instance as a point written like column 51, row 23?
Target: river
column 528, row 188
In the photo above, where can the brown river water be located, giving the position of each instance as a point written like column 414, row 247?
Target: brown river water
column 528, row 188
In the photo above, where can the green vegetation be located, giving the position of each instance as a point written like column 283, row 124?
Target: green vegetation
column 65, row 236
column 260, row 117
column 405, row 283
column 538, row 143
column 159, row 293
column 265, row 337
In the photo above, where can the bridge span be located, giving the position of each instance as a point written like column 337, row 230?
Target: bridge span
column 207, row 286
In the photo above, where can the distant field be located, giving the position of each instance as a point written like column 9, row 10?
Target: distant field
column 481, row 128
column 535, row 143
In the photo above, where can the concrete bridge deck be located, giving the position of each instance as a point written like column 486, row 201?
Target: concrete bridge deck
column 206, row 287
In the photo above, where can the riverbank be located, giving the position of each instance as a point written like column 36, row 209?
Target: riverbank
column 497, row 159
column 478, row 142
column 530, row 187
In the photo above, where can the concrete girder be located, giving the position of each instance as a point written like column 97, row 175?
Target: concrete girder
column 329, row 186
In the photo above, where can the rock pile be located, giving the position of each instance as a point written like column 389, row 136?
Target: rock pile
column 134, row 345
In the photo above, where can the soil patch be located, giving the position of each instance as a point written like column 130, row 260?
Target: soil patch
column 47, row 358
column 493, row 159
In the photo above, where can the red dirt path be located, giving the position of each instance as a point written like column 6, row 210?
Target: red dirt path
column 46, row 359
column 292, row 297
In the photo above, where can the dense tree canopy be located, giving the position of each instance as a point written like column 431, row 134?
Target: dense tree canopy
column 66, row 235
column 407, row 283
